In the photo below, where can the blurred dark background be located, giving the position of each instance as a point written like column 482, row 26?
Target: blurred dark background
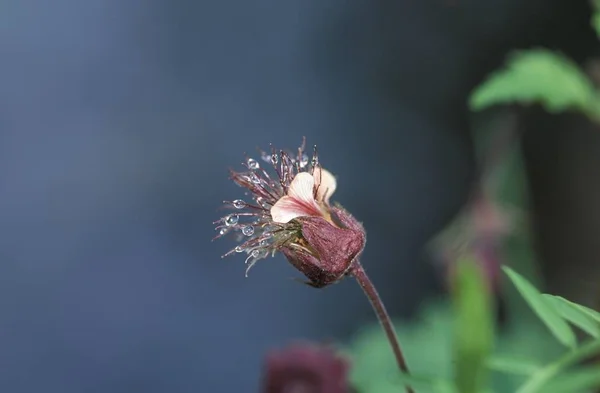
column 119, row 120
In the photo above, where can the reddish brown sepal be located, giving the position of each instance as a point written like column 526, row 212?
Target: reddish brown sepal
column 329, row 250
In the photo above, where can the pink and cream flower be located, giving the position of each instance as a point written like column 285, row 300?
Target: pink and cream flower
column 478, row 232
column 306, row 367
column 290, row 212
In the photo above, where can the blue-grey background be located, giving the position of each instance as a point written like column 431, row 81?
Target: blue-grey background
column 119, row 119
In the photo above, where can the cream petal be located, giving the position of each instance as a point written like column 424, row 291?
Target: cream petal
column 302, row 187
column 325, row 183
column 299, row 201
column 286, row 209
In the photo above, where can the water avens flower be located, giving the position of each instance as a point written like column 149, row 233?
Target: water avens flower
column 478, row 232
column 288, row 210
column 305, row 368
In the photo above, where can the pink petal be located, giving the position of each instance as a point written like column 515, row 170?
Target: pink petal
column 299, row 201
column 490, row 218
column 326, row 184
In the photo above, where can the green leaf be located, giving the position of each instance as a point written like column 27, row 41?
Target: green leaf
column 473, row 331
column 596, row 17
column 596, row 23
column 588, row 311
column 577, row 381
column 427, row 346
column 430, row 384
column 538, row 76
column 512, row 365
column 540, row 381
column 574, row 313
column 544, row 310
column 524, row 342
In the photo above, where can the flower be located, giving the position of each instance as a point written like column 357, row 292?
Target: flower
column 291, row 213
column 306, row 368
column 478, row 232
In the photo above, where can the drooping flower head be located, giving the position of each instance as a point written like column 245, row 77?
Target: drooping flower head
column 288, row 210
column 478, row 232
column 306, row 368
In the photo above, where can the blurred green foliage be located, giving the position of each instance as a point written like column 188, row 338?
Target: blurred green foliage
column 452, row 345
column 584, row 318
column 596, row 16
column 544, row 77
column 540, row 77
column 449, row 347
column 473, row 327
column 426, row 343
column 546, row 311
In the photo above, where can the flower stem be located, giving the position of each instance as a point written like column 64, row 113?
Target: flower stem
column 384, row 319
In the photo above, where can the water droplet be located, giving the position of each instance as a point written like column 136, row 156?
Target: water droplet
column 267, row 235
column 315, row 158
column 232, row 219
column 274, row 159
column 251, row 260
column 239, row 204
column 262, row 202
column 239, row 249
column 262, row 243
column 248, row 230
column 254, row 178
column 252, row 164
column 223, row 231
column 303, row 161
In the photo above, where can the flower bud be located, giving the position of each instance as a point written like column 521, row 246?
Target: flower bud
column 325, row 251
column 306, row 369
